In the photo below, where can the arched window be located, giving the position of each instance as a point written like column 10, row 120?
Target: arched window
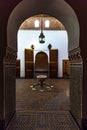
column 36, row 23
column 47, row 23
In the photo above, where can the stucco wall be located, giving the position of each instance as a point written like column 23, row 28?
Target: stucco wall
column 58, row 40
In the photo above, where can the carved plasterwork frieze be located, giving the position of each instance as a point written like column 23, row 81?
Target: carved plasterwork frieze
column 75, row 56
column 10, row 56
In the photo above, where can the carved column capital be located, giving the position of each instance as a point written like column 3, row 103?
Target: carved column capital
column 10, row 56
column 75, row 56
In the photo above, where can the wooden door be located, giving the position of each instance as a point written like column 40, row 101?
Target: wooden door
column 18, row 68
column 41, row 63
column 66, row 68
column 53, row 64
column 29, row 62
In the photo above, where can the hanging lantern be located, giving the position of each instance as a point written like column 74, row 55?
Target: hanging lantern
column 41, row 36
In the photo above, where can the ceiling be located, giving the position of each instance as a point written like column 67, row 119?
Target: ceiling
column 28, row 24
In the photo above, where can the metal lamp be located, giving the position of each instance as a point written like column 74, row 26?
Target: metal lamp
column 41, row 36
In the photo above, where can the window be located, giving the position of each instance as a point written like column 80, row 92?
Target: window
column 36, row 23
column 47, row 23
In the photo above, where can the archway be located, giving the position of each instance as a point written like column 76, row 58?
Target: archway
column 69, row 19
column 55, row 35
column 41, row 63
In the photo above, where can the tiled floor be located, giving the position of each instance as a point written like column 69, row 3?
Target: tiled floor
column 60, row 120
column 43, row 114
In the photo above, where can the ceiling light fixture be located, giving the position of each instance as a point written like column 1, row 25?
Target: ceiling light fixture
column 41, row 36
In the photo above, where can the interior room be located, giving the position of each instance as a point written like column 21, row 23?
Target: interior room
column 47, row 58
column 56, row 41
column 42, row 59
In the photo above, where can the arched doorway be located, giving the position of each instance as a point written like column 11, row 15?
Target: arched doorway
column 70, row 22
column 55, row 37
column 41, row 63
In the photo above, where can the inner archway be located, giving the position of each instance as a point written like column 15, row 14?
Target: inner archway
column 55, row 38
column 41, row 63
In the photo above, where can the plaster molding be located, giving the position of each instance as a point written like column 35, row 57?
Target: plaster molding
column 75, row 56
column 10, row 56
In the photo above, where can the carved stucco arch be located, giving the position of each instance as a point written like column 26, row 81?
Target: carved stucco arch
column 58, row 9
column 66, row 15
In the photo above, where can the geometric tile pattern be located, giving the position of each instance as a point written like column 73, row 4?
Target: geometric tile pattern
column 43, row 120
column 48, row 110
column 56, row 99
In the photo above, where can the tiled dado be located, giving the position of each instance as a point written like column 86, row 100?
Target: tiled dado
column 10, row 56
column 76, row 72
column 75, row 56
column 9, row 82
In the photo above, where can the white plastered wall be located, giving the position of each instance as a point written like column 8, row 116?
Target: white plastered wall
column 58, row 40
